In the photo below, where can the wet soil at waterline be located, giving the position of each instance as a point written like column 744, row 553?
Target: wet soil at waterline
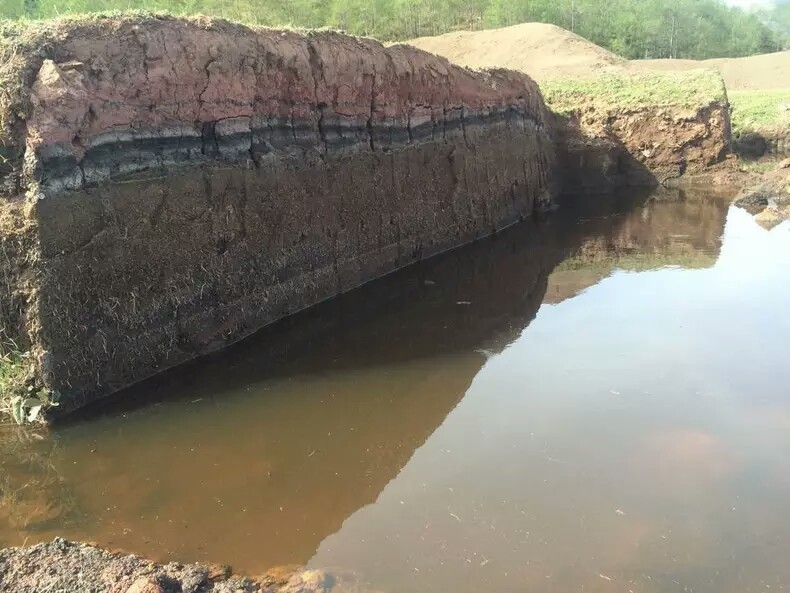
column 587, row 401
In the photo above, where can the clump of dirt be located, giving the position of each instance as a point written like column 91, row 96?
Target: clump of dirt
column 62, row 565
column 769, row 200
column 542, row 50
column 65, row 566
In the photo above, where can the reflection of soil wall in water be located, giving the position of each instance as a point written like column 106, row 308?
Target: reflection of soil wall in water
column 683, row 231
column 312, row 417
column 33, row 494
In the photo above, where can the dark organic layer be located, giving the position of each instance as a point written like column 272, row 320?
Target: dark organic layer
column 253, row 141
column 145, row 274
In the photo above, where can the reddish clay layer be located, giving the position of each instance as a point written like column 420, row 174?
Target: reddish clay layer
column 126, row 96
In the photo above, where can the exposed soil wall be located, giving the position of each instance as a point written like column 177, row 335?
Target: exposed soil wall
column 192, row 181
column 763, row 143
column 600, row 150
column 17, row 257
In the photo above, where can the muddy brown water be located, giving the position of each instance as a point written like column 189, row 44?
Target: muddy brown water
column 595, row 402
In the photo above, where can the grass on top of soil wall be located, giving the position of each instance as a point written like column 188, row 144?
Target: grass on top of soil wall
column 633, row 90
column 760, row 110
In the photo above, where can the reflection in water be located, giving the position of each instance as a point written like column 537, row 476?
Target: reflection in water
column 640, row 438
column 417, row 433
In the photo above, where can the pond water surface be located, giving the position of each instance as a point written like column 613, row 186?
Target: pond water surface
column 595, row 402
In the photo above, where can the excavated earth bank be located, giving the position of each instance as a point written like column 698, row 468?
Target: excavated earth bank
column 602, row 149
column 763, row 143
column 174, row 185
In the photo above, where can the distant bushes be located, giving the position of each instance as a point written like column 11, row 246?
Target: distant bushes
column 632, row 28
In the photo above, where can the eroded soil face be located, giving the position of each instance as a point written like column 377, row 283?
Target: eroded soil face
column 189, row 182
column 603, row 150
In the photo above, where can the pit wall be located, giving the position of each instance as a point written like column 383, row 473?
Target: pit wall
column 773, row 143
column 603, row 151
column 190, row 184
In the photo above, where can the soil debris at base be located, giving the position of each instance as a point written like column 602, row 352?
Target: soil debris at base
column 61, row 565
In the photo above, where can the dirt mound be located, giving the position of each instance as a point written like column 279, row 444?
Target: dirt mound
column 763, row 72
column 542, row 51
column 548, row 52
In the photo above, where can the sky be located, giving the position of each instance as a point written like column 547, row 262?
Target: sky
column 751, row 3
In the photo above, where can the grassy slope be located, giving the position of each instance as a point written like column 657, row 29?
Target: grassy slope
column 760, row 110
column 634, row 90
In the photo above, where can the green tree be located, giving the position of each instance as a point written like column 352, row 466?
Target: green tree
column 632, row 28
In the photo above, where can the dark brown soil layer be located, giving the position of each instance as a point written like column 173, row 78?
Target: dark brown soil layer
column 601, row 150
column 769, row 200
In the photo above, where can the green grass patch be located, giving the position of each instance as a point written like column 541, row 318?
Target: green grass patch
column 634, row 90
column 22, row 399
column 16, row 374
column 760, row 110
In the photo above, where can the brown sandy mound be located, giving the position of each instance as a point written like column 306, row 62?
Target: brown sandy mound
column 763, row 72
column 548, row 52
column 543, row 51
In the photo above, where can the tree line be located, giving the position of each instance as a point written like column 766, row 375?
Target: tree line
column 696, row 29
